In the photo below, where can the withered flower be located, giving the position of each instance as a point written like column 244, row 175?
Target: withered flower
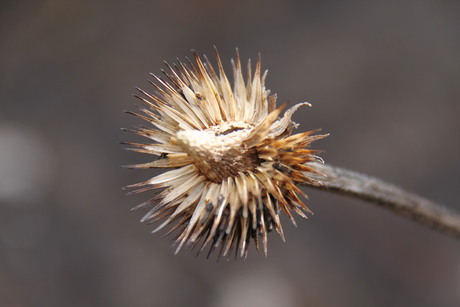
column 234, row 162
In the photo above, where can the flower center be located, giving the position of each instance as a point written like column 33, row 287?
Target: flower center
column 218, row 151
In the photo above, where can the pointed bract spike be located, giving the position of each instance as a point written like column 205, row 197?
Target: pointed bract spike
column 261, row 130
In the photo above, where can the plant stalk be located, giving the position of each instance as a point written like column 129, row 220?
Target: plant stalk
column 389, row 196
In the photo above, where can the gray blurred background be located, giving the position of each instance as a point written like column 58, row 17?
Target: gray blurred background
column 383, row 78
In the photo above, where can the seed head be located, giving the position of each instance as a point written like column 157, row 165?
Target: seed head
column 234, row 163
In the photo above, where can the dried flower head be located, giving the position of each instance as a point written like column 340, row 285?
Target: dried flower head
column 234, row 162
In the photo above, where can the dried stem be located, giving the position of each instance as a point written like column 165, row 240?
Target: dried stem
column 393, row 198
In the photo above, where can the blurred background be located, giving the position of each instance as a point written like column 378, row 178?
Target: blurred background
column 383, row 78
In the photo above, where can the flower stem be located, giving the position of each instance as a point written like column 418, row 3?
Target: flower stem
column 391, row 197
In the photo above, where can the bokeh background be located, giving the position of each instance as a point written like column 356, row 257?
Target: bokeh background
column 383, row 78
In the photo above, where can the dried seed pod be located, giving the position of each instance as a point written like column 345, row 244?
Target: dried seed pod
column 235, row 164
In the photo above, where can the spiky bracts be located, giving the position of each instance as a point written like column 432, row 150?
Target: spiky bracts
column 235, row 164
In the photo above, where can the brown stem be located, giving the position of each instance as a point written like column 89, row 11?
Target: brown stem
column 393, row 198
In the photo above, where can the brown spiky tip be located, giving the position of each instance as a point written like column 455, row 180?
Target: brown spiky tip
column 233, row 162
